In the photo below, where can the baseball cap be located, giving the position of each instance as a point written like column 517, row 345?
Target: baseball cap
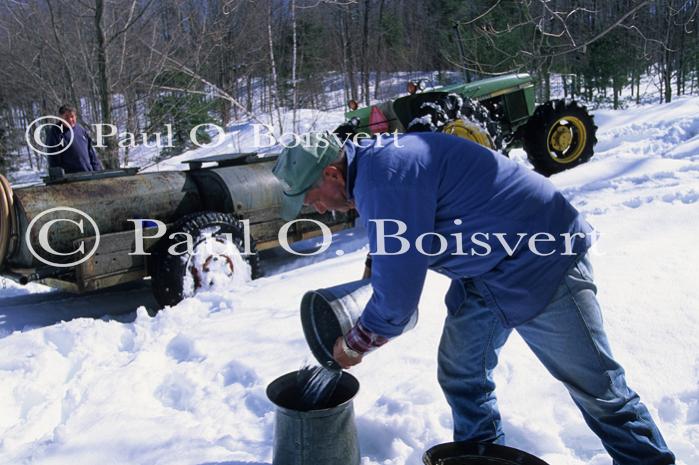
column 299, row 168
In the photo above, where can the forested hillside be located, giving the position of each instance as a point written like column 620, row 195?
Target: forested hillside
column 141, row 64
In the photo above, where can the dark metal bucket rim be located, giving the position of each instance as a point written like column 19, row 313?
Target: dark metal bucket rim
column 321, row 353
column 319, row 413
column 473, row 449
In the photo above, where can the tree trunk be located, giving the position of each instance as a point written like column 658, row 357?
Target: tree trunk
column 667, row 76
column 350, row 55
column 666, row 59
column 345, row 61
column 131, row 119
column 696, row 58
column 379, row 52
column 274, row 85
column 224, row 105
column 248, row 92
column 111, row 154
column 24, row 120
column 365, row 53
column 27, row 117
column 70, row 81
column 680, row 65
column 294, row 51
column 638, row 88
column 236, row 91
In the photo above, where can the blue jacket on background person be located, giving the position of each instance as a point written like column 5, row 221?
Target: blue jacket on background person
column 80, row 156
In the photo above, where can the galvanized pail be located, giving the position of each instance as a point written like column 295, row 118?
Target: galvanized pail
column 327, row 436
column 477, row 453
column 327, row 314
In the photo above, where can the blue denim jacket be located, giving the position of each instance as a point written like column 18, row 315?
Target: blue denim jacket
column 467, row 195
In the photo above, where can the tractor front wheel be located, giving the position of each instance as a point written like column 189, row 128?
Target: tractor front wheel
column 560, row 135
column 467, row 119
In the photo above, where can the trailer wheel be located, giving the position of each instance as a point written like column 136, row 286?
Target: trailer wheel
column 212, row 258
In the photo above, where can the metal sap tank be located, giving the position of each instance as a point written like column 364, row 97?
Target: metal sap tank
column 111, row 202
column 250, row 190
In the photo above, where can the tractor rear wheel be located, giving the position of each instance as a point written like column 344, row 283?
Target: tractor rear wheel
column 212, row 258
column 467, row 119
column 560, row 135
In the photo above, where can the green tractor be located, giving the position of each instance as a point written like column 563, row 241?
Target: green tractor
column 498, row 113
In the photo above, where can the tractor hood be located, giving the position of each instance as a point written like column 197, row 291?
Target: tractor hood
column 398, row 112
column 490, row 87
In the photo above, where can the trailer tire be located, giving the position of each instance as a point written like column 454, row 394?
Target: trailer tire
column 215, row 257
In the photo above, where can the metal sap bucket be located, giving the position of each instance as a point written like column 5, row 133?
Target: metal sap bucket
column 327, row 314
column 477, row 453
column 327, row 436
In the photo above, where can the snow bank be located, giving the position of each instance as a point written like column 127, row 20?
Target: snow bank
column 187, row 385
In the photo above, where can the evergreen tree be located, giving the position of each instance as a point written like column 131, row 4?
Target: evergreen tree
column 183, row 106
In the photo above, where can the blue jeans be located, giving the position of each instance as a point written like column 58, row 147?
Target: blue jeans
column 569, row 339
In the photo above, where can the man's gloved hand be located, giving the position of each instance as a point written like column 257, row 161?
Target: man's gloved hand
column 345, row 356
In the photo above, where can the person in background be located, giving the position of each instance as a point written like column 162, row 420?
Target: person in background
column 80, row 156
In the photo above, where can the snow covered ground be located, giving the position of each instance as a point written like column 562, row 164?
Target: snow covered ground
column 112, row 384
